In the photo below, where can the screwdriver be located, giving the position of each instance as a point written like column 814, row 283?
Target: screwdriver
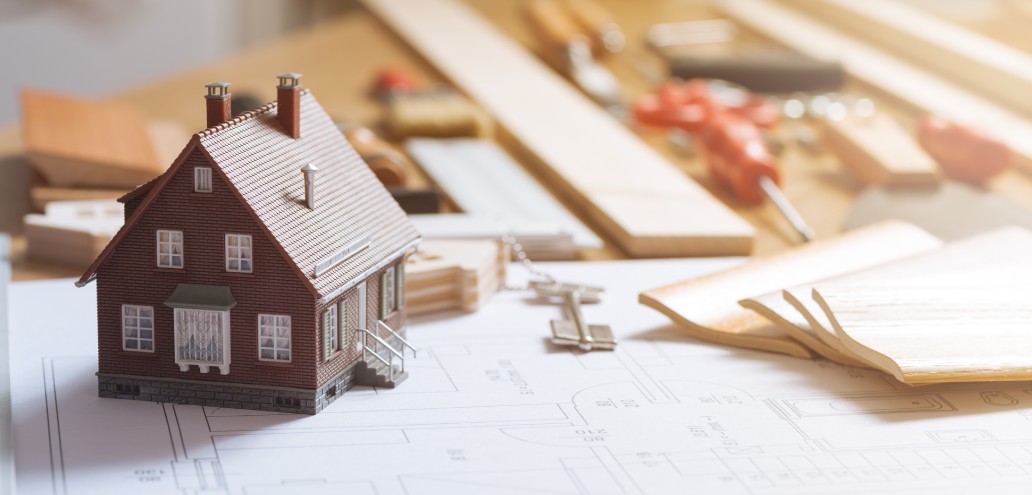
column 738, row 158
column 727, row 128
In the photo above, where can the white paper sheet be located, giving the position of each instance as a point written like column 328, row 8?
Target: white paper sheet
column 491, row 407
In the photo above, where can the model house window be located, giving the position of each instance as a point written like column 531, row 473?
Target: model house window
column 170, row 249
column 274, row 338
column 137, row 328
column 202, row 179
column 202, row 339
column 400, row 282
column 342, row 318
column 388, row 293
column 331, row 342
column 238, row 253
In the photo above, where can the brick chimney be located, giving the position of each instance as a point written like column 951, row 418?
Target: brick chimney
column 288, row 97
column 218, row 103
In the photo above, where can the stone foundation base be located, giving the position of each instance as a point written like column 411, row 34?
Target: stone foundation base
column 234, row 395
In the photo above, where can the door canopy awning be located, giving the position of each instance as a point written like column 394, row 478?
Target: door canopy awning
column 198, row 296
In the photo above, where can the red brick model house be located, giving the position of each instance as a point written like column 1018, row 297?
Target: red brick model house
column 262, row 270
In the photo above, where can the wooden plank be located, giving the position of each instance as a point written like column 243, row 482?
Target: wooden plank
column 707, row 307
column 779, row 312
column 913, row 87
column 628, row 190
column 993, row 69
column 878, row 151
column 957, row 314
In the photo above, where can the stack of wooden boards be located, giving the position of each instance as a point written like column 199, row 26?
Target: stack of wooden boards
column 889, row 297
column 84, row 149
column 454, row 275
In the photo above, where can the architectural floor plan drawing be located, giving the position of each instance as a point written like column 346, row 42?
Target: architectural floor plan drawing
column 491, row 407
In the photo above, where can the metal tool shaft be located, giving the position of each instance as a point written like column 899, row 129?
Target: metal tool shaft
column 572, row 300
column 774, row 194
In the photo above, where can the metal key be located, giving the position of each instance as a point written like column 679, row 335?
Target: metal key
column 575, row 332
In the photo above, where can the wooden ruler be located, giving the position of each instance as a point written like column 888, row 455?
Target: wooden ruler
column 916, row 88
column 992, row 68
column 624, row 187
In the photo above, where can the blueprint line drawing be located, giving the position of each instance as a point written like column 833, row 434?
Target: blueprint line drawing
column 492, row 407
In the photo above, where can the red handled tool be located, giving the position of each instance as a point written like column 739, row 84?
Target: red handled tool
column 964, row 153
column 727, row 128
column 738, row 158
column 686, row 105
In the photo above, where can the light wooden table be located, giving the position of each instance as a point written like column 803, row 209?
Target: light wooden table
column 340, row 57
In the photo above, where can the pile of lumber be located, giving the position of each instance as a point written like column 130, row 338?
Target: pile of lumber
column 454, row 275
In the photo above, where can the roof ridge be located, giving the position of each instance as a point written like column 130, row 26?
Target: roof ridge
column 248, row 115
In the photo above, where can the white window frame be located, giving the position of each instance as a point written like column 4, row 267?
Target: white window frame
column 203, row 359
column 202, row 179
column 275, row 328
column 133, row 324
column 388, row 292
column 240, row 257
column 169, row 244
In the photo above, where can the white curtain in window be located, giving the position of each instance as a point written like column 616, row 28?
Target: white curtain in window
column 199, row 335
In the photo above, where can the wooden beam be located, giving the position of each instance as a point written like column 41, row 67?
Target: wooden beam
column 991, row 68
column 915, row 88
column 629, row 191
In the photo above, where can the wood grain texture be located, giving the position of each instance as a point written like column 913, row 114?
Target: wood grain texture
column 788, row 320
column 913, row 87
column 78, row 142
column 960, row 313
column 708, row 306
column 878, row 151
column 993, row 69
column 820, row 326
column 453, row 274
column 624, row 187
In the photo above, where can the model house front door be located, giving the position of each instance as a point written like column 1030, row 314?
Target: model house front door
column 202, row 339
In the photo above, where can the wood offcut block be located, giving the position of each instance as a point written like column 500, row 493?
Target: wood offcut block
column 76, row 142
column 72, row 233
column 878, row 151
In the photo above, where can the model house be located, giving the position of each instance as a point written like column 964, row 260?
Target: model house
column 263, row 270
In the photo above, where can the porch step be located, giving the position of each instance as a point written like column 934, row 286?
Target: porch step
column 375, row 374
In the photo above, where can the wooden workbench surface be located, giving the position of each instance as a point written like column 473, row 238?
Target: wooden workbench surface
column 339, row 58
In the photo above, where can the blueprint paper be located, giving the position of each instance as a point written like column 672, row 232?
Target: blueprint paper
column 491, row 407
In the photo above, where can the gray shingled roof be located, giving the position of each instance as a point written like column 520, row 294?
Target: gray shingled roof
column 264, row 165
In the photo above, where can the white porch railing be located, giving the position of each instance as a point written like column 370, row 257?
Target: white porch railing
column 381, row 345
column 390, row 333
